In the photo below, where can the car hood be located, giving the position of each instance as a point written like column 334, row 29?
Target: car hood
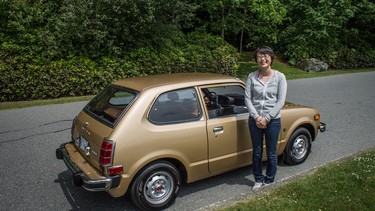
column 288, row 105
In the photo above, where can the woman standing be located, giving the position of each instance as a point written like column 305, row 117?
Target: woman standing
column 265, row 96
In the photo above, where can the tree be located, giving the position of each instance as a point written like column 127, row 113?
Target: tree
column 262, row 20
column 324, row 29
column 258, row 19
column 91, row 28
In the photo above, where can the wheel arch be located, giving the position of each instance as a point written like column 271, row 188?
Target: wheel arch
column 179, row 165
column 175, row 162
column 299, row 123
column 310, row 128
column 302, row 122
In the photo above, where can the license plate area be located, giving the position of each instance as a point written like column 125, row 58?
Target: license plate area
column 83, row 144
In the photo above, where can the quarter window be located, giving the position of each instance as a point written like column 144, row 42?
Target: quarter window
column 175, row 107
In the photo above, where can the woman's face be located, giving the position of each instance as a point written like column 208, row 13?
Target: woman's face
column 264, row 60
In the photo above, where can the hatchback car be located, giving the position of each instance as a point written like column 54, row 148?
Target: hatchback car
column 148, row 135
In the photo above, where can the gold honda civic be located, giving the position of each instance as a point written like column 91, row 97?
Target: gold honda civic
column 148, row 135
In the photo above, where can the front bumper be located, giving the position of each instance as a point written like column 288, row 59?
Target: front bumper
column 322, row 127
column 81, row 179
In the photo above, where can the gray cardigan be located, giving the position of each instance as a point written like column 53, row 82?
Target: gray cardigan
column 265, row 100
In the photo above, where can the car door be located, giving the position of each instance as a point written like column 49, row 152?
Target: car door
column 229, row 144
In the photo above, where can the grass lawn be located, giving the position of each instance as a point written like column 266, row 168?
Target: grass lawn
column 24, row 104
column 345, row 185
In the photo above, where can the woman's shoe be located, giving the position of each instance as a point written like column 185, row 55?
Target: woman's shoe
column 257, row 185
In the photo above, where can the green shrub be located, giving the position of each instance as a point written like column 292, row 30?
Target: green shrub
column 349, row 58
column 25, row 76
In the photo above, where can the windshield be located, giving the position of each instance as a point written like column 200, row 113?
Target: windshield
column 110, row 103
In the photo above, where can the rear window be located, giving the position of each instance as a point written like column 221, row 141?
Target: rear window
column 109, row 104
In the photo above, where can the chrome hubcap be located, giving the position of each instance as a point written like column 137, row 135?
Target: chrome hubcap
column 158, row 187
column 300, row 147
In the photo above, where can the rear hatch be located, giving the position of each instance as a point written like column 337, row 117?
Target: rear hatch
column 97, row 120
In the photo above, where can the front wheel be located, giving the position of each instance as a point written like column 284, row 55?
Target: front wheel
column 156, row 186
column 298, row 147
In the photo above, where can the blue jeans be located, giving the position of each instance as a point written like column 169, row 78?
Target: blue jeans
column 271, row 133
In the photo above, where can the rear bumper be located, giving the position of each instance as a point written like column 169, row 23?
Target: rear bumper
column 81, row 179
column 322, row 127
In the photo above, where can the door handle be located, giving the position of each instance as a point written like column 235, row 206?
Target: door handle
column 218, row 129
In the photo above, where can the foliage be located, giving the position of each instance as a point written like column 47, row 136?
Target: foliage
column 330, row 31
column 77, row 76
column 255, row 19
column 92, row 29
column 47, row 46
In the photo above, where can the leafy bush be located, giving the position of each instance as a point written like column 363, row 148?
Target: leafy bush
column 350, row 58
column 26, row 76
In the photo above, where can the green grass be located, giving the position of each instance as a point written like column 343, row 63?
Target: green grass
column 344, row 185
column 31, row 103
column 246, row 65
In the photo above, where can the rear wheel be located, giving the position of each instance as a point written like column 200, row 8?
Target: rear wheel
column 298, row 147
column 156, row 186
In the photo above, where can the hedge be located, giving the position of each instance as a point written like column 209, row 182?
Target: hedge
column 24, row 76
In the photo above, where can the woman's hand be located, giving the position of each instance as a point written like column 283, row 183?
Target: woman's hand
column 261, row 122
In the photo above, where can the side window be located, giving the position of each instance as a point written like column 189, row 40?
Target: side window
column 175, row 107
column 224, row 100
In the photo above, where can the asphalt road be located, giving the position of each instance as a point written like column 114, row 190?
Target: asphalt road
column 33, row 179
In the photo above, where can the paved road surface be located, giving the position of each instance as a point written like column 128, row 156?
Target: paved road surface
column 33, row 179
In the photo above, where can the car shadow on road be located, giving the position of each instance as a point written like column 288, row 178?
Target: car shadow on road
column 80, row 199
column 241, row 176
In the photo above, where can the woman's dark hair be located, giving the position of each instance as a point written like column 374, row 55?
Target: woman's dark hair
column 264, row 50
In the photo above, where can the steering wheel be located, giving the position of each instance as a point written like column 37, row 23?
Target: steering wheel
column 212, row 99
column 213, row 102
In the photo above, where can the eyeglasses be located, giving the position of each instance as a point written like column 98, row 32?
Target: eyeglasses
column 263, row 56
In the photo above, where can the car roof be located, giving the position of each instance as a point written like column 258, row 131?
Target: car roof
column 146, row 82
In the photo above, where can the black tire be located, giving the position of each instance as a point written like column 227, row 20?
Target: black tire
column 156, row 186
column 298, row 147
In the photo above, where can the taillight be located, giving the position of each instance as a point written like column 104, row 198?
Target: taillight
column 106, row 153
column 113, row 170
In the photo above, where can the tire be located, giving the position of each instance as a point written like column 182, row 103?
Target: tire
column 298, row 147
column 156, row 186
